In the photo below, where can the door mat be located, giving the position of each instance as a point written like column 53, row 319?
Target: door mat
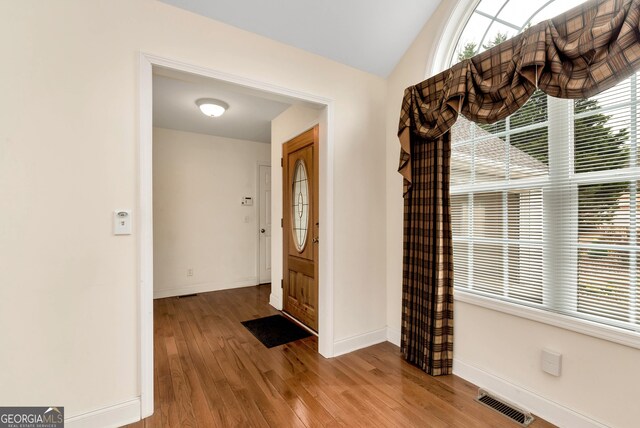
column 275, row 330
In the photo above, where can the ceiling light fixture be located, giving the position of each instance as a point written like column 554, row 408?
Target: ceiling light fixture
column 211, row 107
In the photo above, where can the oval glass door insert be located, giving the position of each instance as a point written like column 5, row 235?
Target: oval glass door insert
column 300, row 205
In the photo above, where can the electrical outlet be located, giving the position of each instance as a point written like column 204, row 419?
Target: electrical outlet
column 190, row 272
column 551, row 362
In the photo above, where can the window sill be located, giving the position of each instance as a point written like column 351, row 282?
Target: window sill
column 611, row 334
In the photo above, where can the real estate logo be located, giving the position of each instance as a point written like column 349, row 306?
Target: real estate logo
column 32, row 417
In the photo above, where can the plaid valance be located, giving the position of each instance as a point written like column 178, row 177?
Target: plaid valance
column 575, row 55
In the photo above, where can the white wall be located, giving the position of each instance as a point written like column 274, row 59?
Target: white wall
column 198, row 221
column 68, row 158
column 600, row 379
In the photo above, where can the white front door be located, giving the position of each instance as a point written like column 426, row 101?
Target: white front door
column 264, row 224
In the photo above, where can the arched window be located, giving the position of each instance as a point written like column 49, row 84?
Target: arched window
column 494, row 21
column 544, row 203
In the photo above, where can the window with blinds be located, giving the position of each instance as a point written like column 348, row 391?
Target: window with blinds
column 545, row 208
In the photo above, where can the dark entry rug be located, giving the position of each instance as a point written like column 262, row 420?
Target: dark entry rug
column 275, row 330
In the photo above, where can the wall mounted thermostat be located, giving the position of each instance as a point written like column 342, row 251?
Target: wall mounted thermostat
column 247, row 200
column 122, row 222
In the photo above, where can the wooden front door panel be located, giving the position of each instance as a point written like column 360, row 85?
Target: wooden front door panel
column 300, row 227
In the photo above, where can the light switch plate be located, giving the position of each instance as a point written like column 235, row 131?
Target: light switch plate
column 122, row 222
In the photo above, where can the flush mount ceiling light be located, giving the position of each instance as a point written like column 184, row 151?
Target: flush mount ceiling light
column 212, row 107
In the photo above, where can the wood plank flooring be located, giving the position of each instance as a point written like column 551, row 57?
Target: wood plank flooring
column 211, row 372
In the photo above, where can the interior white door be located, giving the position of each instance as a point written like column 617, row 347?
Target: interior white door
column 265, row 224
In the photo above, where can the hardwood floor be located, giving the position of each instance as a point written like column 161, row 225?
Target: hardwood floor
column 211, row 372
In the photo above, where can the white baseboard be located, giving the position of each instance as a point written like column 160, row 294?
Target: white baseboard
column 112, row 416
column 360, row 341
column 527, row 400
column 393, row 336
column 204, row 288
column 275, row 300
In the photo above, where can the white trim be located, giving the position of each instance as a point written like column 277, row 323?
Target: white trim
column 233, row 78
column 393, row 336
column 275, row 300
column 112, row 416
column 359, row 341
column 145, row 239
column 326, row 347
column 205, row 287
column 445, row 45
column 528, row 400
column 145, row 235
column 589, row 328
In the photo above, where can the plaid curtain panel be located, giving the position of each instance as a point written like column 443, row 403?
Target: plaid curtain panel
column 427, row 295
column 578, row 54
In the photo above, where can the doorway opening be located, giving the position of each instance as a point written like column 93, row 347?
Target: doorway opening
column 209, row 199
column 290, row 125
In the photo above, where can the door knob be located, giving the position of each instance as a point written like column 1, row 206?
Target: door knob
column 262, row 230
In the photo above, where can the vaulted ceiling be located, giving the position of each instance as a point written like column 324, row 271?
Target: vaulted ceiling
column 370, row 35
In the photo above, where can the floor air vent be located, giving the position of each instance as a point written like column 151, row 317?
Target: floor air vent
column 187, row 295
column 509, row 410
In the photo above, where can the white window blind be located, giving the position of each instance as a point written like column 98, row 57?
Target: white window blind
column 545, row 208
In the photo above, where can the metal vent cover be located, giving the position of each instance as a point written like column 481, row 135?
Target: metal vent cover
column 521, row 417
